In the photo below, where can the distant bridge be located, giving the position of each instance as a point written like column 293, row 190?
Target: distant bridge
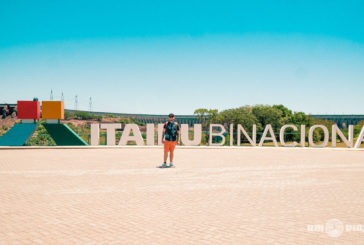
column 149, row 118
column 340, row 120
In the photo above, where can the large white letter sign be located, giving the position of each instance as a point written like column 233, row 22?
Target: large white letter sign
column 348, row 142
column 126, row 137
column 95, row 133
column 303, row 135
column 281, row 135
column 221, row 134
column 231, row 134
column 326, row 136
column 253, row 140
column 197, row 133
column 150, row 134
column 110, row 132
column 160, row 133
column 269, row 129
column 360, row 138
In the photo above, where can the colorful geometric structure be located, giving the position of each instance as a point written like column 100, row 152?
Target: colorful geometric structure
column 18, row 135
column 28, row 110
column 52, row 111
column 63, row 135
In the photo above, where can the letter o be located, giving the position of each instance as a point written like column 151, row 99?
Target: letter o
column 326, row 136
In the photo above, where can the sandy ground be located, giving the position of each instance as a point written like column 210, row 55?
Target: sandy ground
column 213, row 196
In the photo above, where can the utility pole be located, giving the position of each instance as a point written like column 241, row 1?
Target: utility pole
column 62, row 97
column 90, row 104
column 76, row 102
column 51, row 96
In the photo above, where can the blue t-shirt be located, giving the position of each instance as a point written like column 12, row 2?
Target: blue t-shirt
column 171, row 131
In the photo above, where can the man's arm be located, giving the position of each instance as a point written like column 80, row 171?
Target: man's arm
column 163, row 133
column 178, row 134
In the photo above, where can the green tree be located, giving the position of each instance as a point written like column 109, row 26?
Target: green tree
column 212, row 115
column 201, row 113
column 207, row 115
column 268, row 115
column 298, row 119
column 285, row 111
column 241, row 115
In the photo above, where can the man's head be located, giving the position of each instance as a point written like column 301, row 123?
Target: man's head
column 171, row 117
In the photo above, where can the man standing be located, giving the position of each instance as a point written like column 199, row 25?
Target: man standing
column 169, row 138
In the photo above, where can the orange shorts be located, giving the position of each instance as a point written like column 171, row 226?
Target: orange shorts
column 169, row 145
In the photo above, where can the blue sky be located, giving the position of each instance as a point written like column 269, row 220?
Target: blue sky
column 176, row 56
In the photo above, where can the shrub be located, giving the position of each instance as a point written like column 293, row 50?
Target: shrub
column 86, row 116
column 41, row 137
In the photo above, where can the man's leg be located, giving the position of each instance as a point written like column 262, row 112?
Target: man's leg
column 166, row 150
column 171, row 155
column 165, row 156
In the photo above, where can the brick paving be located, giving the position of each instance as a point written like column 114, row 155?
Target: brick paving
column 214, row 196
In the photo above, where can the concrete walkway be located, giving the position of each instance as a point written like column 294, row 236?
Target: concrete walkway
column 214, row 196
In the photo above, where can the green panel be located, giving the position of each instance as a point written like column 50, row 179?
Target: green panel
column 18, row 135
column 63, row 135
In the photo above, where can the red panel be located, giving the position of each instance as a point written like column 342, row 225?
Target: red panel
column 28, row 109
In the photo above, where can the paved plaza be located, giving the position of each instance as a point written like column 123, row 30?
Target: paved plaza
column 213, row 196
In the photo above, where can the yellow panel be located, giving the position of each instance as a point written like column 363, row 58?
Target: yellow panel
column 52, row 109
